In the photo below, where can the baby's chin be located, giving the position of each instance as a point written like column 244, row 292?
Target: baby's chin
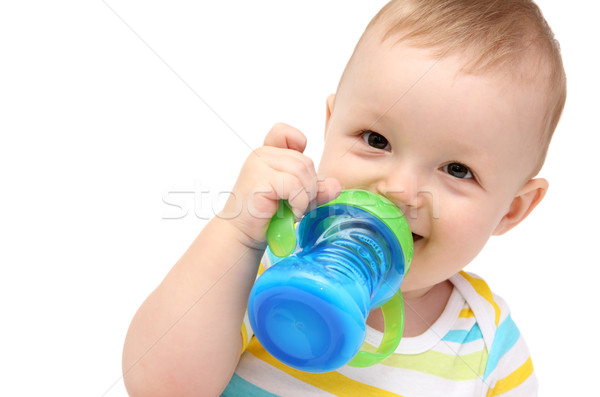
column 413, row 289
column 419, row 281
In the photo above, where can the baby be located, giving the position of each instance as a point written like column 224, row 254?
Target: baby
column 446, row 108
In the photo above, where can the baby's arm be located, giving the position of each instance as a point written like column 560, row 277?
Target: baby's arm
column 185, row 338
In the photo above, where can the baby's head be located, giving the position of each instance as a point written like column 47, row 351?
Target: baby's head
column 447, row 108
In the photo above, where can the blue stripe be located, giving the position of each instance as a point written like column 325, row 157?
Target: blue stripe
column 463, row 336
column 507, row 335
column 239, row 387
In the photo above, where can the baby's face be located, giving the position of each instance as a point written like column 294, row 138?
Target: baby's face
column 450, row 149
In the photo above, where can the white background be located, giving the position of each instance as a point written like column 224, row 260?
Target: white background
column 109, row 108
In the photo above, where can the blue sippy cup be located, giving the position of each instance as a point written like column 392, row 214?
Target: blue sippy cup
column 309, row 309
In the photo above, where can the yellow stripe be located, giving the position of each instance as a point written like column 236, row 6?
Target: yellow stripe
column 244, row 337
column 332, row 382
column 244, row 331
column 483, row 289
column 513, row 380
column 466, row 313
column 261, row 270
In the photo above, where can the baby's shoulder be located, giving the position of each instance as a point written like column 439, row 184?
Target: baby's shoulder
column 500, row 333
column 490, row 310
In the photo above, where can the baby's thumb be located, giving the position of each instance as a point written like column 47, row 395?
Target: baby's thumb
column 285, row 136
column 327, row 189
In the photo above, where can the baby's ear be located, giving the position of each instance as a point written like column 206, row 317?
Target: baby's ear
column 530, row 195
column 329, row 109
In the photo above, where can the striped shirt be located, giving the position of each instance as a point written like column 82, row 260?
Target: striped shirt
column 473, row 349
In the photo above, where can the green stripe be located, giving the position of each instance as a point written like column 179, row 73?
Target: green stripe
column 448, row 366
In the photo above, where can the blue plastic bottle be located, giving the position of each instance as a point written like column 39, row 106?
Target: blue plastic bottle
column 309, row 310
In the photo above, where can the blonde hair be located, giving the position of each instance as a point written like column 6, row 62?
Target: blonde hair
column 496, row 35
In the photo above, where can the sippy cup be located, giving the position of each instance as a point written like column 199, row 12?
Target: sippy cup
column 346, row 257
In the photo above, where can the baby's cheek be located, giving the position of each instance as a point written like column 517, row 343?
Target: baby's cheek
column 466, row 234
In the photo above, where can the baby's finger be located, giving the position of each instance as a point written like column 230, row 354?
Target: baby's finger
column 290, row 188
column 292, row 162
column 286, row 137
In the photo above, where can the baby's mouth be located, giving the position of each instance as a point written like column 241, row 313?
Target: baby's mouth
column 416, row 237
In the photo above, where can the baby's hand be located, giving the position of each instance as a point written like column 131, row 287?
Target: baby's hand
column 277, row 170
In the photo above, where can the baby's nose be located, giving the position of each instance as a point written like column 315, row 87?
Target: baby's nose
column 404, row 191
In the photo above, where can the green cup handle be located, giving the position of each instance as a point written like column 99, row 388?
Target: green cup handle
column 393, row 317
column 281, row 234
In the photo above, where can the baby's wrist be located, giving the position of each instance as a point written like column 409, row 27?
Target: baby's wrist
column 242, row 231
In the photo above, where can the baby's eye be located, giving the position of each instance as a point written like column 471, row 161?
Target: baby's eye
column 458, row 170
column 375, row 140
